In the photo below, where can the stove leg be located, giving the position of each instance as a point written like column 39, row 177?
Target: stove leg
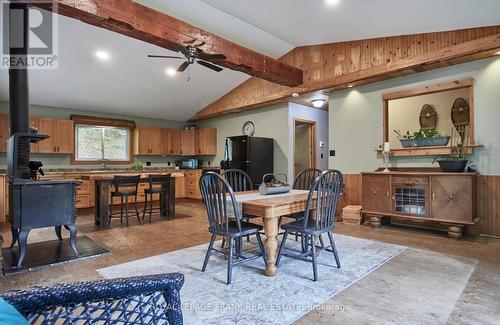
column 23, row 242
column 72, row 238
column 15, row 236
column 58, row 232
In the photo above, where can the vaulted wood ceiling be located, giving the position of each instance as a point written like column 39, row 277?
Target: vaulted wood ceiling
column 138, row 21
column 335, row 66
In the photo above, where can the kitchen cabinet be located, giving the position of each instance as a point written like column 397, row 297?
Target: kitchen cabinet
column 171, row 142
column 4, row 132
column 61, row 136
column 148, row 141
column 180, row 187
column 4, row 199
column 206, row 142
column 193, row 184
column 376, row 193
column 187, row 142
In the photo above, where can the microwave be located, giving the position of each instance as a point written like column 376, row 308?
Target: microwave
column 189, row 163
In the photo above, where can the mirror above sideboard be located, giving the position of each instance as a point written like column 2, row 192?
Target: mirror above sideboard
column 431, row 118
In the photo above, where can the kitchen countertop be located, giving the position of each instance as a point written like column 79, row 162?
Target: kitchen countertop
column 103, row 176
column 64, row 171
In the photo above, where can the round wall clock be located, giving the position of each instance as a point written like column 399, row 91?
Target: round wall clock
column 248, row 128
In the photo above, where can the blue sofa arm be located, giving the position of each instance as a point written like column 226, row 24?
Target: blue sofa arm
column 149, row 299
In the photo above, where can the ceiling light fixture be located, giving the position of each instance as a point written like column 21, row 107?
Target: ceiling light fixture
column 497, row 53
column 170, row 72
column 295, row 94
column 332, row 2
column 318, row 102
column 102, row 55
column 350, row 86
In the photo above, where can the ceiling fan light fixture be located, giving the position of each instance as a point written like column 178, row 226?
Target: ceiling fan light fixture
column 170, row 72
column 318, row 103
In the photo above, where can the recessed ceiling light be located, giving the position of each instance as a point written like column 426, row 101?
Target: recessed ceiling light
column 295, row 94
column 318, row 102
column 350, row 86
column 170, row 71
column 102, row 55
column 497, row 53
column 332, row 2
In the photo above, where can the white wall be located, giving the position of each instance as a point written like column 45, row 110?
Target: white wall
column 269, row 122
column 356, row 118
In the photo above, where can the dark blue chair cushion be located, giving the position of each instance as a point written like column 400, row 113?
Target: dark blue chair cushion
column 9, row 315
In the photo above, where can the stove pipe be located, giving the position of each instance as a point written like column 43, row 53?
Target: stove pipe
column 18, row 76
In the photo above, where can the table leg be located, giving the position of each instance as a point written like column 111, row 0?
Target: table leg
column 271, row 245
column 101, row 203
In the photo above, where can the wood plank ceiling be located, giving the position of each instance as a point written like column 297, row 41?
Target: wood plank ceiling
column 135, row 20
column 335, row 66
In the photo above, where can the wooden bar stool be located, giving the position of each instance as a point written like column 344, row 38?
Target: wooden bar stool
column 158, row 184
column 124, row 187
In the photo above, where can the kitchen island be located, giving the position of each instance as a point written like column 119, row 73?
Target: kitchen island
column 102, row 184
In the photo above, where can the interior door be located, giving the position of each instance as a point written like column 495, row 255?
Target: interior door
column 376, row 193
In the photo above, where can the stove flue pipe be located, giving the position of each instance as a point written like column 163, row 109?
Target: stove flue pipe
column 18, row 76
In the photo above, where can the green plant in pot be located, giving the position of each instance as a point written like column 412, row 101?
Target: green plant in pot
column 407, row 140
column 137, row 166
column 455, row 161
column 430, row 138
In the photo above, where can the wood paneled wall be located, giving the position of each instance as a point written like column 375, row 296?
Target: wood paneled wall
column 330, row 66
column 488, row 200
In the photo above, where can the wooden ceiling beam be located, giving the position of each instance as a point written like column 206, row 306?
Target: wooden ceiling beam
column 146, row 24
column 331, row 67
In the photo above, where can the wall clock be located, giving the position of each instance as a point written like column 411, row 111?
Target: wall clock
column 248, row 128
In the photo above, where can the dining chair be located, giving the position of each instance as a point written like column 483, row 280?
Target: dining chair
column 124, row 188
column 157, row 185
column 304, row 181
column 224, row 219
column 318, row 218
column 239, row 181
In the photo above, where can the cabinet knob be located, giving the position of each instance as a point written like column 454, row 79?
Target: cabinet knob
column 387, row 193
column 434, row 196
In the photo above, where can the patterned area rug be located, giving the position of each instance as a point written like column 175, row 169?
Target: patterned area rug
column 254, row 298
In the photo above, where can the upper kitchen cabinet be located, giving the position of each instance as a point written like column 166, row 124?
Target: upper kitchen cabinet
column 149, row 141
column 187, row 142
column 4, row 132
column 171, row 142
column 61, row 136
column 205, row 142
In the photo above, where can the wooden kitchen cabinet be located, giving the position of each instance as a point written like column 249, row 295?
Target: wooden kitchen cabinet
column 4, row 199
column 193, row 184
column 205, row 142
column 187, row 142
column 149, row 141
column 451, row 197
column 171, row 142
column 4, row 132
column 180, row 187
column 61, row 136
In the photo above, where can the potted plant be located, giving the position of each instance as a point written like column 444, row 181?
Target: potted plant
column 137, row 166
column 407, row 140
column 430, row 138
column 454, row 162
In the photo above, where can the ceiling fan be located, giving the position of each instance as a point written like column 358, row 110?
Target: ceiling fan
column 192, row 55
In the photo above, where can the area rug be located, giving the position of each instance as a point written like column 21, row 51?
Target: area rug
column 254, row 298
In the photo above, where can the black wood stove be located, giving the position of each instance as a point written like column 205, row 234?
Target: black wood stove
column 36, row 203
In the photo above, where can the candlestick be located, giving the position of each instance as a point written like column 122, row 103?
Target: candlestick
column 387, row 147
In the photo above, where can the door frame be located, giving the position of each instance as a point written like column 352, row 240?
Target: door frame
column 312, row 141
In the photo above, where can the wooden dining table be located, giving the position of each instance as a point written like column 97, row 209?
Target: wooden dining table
column 270, row 208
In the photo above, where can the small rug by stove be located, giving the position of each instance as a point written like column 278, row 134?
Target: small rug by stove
column 254, row 298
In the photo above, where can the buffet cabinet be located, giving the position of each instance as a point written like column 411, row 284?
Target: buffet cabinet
column 445, row 198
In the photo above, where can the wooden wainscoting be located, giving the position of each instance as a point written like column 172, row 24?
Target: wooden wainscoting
column 489, row 204
column 488, row 201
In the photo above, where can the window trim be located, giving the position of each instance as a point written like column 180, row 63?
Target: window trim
column 103, row 122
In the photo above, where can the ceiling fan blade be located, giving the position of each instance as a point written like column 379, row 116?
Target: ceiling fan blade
column 209, row 65
column 183, row 67
column 208, row 57
column 165, row 56
column 182, row 49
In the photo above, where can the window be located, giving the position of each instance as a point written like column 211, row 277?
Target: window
column 97, row 143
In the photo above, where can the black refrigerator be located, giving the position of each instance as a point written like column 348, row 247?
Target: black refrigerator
column 253, row 155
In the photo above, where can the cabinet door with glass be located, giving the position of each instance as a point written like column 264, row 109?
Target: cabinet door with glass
column 410, row 195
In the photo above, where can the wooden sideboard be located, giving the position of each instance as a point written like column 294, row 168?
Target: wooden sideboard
column 422, row 195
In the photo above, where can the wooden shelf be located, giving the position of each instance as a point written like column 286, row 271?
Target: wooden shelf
column 427, row 151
